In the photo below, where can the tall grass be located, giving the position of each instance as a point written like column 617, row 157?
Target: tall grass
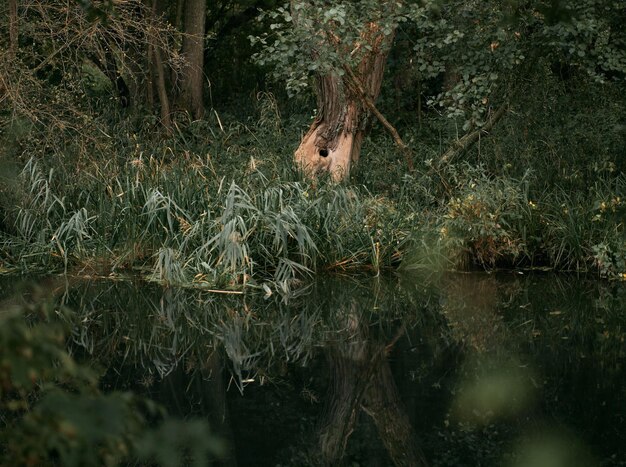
column 218, row 204
column 186, row 225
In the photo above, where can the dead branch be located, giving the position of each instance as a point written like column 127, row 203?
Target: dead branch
column 357, row 86
column 464, row 143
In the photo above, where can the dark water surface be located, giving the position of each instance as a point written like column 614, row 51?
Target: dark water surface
column 456, row 370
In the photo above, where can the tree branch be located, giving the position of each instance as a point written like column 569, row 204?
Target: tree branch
column 357, row 86
column 464, row 143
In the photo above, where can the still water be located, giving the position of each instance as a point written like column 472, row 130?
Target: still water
column 453, row 370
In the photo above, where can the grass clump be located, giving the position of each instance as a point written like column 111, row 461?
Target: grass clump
column 180, row 223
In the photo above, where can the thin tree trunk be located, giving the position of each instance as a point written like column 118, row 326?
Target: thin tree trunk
column 193, row 50
column 154, row 57
column 13, row 28
column 166, row 119
column 149, row 90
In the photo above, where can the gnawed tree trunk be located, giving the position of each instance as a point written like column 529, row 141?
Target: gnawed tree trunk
column 333, row 142
column 192, row 82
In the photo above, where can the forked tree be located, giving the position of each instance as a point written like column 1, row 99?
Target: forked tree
column 344, row 46
column 344, row 99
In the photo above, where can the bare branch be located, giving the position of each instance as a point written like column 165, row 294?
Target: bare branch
column 357, row 86
column 464, row 143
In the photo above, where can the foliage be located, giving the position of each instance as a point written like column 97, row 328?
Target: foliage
column 88, row 188
column 232, row 217
column 480, row 219
column 54, row 411
column 313, row 38
column 478, row 50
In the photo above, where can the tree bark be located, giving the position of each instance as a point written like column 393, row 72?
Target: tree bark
column 333, row 142
column 192, row 82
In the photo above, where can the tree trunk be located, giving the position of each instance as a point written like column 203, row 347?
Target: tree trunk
column 333, row 142
column 192, row 81
column 166, row 119
column 158, row 71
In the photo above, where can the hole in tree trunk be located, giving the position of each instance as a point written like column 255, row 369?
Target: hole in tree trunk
column 324, row 152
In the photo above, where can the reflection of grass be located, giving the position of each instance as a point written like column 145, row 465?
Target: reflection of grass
column 544, row 322
column 159, row 328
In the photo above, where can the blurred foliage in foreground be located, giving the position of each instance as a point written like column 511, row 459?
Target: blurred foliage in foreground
column 54, row 413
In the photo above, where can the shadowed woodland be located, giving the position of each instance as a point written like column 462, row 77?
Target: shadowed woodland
column 170, row 138
column 286, row 198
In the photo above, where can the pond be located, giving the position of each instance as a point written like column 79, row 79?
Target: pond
column 447, row 370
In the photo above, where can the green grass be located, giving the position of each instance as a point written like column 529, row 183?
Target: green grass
column 218, row 204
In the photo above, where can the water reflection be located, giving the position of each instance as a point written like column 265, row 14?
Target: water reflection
column 467, row 369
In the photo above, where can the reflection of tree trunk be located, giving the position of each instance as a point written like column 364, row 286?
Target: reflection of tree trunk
column 342, row 405
column 361, row 378
column 383, row 404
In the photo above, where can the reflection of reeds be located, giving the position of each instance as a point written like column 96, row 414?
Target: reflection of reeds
column 160, row 328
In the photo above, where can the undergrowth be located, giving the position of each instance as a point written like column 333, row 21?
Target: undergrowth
column 219, row 205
